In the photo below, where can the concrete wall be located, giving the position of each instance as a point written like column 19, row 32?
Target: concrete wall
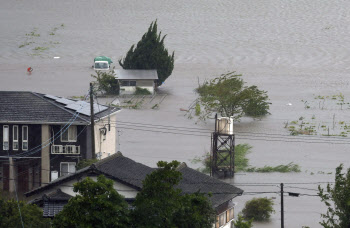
column 45, row 154
column 106, row 144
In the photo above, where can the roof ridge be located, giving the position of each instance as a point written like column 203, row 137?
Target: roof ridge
column 113, row 156
column 70, row 112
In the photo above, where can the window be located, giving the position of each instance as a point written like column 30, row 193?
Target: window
column 69, row 135
column 24, row 137
column 67, row 168
column 229, row 214
column 128, row 83
column 15, row 137
column 5, row 138
column 222, row 219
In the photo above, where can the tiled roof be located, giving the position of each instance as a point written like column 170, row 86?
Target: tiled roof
column 124, row 169
column 193, row 181
column 132, row 173
column 30, row 107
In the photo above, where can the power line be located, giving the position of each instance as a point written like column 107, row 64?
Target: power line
column 238, row 137
column 237, row 132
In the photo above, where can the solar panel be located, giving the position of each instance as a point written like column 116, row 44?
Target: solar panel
column 51, row 97
column 74, row 106
column 85, row 111
column 64, row 101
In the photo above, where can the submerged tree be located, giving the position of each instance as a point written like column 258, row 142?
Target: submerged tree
column 337, row 199
column 97, row 205
column 150, row 53
column 259, row 209
column 229, row 96
column 107, row 83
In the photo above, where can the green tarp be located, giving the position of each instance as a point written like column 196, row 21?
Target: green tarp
column 103, row 58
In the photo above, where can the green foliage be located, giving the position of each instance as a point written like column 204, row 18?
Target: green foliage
column 85, row 162
column 259, row 209
column 150, row 53
column 229, row 96
column 291, row 167
column 32, row 215
column 197, row 109
column 337, row 199
column 242, row 223
column 141, row 91
column 97, row 204
column 241, row 162
column 160, row 204
column 107, row 83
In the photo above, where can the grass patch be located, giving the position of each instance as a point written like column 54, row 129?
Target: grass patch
column 291, row 167
column 33, row 34
column 52, row 34
column 25, row 44
column 242, row 162
column 40, row 48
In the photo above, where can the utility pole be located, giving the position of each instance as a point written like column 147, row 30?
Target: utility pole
column 92, row 120
column 282, row 212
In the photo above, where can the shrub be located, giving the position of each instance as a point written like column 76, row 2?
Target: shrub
column 141, row 91
column 259, row 209
column 242, row 223
column 107, row 83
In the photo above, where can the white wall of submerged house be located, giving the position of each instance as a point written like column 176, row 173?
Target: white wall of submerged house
column 144, row 84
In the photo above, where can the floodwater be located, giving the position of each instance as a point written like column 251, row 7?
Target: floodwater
column 295, row 50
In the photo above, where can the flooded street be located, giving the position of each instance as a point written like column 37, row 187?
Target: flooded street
column 295, row 50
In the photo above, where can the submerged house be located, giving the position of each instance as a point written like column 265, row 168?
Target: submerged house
column 43, row 137
column 128, row 176
column 130, row 79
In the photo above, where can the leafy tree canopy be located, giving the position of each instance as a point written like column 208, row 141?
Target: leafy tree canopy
column 98, row 204
column 240, row 222
column 161, row 204
column 85, row 163
column 32, row 215
column 150, row 53
column 107, row 83
column 259, row 209
column 337, row 199
column 229, row 96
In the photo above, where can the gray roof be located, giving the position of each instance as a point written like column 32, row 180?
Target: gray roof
column 136, row 74
column 30, row 107
column 133, row 173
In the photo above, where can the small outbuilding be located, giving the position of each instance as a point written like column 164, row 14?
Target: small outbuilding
column 130, row 79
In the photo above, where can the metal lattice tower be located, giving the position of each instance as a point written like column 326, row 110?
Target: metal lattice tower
column 223, row 148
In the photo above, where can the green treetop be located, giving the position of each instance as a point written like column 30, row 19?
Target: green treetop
column 150, row 53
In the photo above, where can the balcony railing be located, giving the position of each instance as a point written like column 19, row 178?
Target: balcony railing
column 67, row 149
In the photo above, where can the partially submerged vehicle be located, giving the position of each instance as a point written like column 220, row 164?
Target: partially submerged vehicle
column 102, row 63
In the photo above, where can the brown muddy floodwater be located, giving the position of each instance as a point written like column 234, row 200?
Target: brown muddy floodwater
column 295, row 50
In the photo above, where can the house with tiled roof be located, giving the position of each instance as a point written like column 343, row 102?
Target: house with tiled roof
column 128, row 175
column 43, row 137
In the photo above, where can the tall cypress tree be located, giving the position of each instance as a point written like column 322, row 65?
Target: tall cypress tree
column 150, row 53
